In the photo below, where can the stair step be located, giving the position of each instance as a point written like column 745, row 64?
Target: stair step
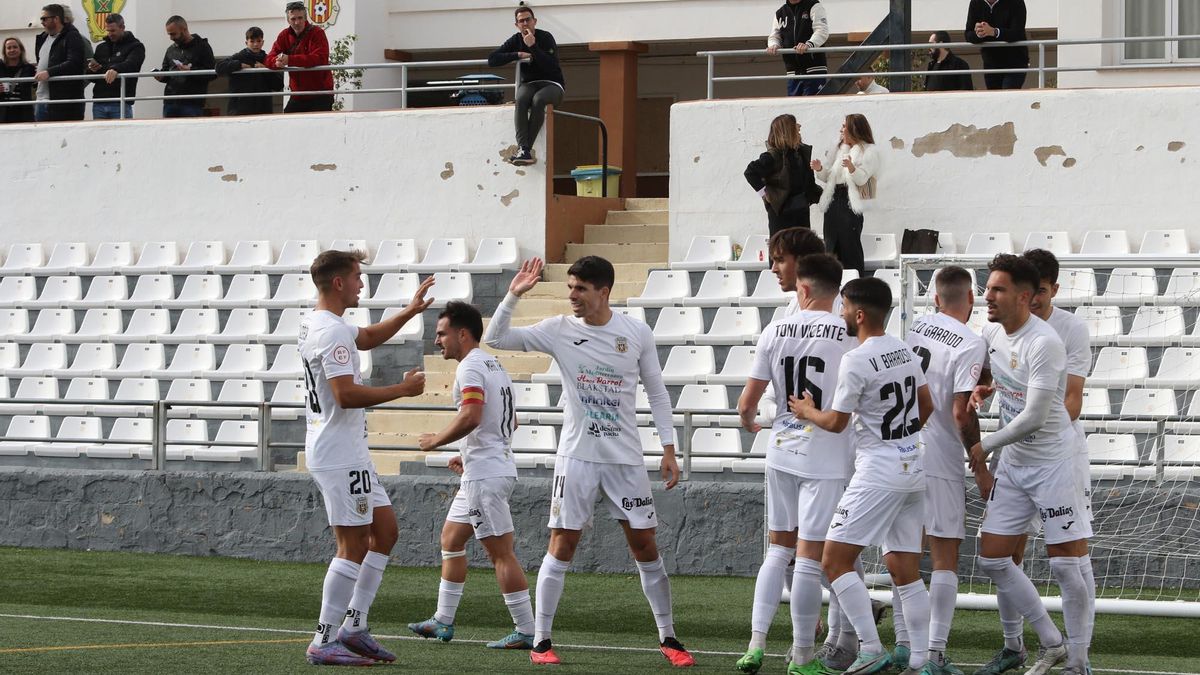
column 621, row 253
column 633, row 272
column 617, row 234
column 412, row 422
column 646, row 204
column 637, row 218
column 621, row 291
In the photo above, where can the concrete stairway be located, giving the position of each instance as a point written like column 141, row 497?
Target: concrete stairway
column 635, row 240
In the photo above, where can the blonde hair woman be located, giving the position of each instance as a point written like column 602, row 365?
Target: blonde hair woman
column 782, row 176
column 849, row 178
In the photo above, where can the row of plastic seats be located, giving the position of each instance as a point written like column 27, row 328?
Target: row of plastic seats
column 668, row 288
column 243, row 325
column 1117, row 456
column 87, row 395
column 148, row 360
column 295, row 255
column 716, row 252
column 208, row 290
column 129, row 438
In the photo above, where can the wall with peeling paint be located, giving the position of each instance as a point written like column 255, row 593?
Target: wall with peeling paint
column 399, row 174
column 961, row 162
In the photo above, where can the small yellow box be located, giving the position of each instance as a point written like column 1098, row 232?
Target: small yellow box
column 587, row 180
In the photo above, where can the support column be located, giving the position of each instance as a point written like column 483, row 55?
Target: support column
column 618, row 106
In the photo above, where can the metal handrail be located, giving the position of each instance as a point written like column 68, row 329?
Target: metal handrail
column 1040, row 45
column 603, row 144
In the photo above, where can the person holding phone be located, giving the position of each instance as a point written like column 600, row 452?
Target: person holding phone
column 188, row 51
column 119, row 52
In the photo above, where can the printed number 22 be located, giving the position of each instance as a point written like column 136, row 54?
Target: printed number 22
column 906, row 397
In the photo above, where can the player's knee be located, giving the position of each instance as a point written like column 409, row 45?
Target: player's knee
column 451, row 555
column 993, row 565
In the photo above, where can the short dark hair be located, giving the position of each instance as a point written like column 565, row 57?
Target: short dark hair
column 295, row 7
column 1021, row 271
column 177, row 20
column 941, row 36
column 254, row 33
column 114, row 19
column 871, row 295
column 521, row 9
column 329, row 265
column 459, row 314
column 1045, row 262
column 954, row 283
column 593, row 269
column 55, row 10
column 795, row 241
column 822, row 270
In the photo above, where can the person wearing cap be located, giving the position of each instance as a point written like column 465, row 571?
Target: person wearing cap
column 303, row 45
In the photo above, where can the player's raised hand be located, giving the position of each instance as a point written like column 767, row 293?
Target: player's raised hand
column 456, row 465
column 669, row 468
column 527, row 277
column 419, row 302
column 800, row 407
column 414, row 382
column 980, row 394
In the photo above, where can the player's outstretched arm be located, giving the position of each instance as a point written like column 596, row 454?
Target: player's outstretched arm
column 747, row 404
column 499, row 333
column 467, row 419
column 350, row 395
column 829, row 420
column 370, row 337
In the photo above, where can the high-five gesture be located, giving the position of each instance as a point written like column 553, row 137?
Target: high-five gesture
column 527, row 277
column 419, row 302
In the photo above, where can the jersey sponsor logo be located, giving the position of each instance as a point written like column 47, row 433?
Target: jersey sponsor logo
column 600, row 430
column 341, row 355
column 622, row 345
column 579, row 341
column 630, row 503
column 1057, row 512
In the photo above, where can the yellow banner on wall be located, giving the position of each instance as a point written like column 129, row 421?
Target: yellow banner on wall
column 97, row 11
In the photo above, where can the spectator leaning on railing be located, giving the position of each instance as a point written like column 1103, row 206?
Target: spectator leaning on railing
column 60, row 51
column 941, row 59
column 14, row 63
column 119, row 52
column 251, row 58
column 801, row 25
column 303, row 45
column 999, row 21
column 188, row 51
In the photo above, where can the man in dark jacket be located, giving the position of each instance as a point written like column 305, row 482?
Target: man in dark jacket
column 801, row 25
column 188, row 51
column 251, row 58
column 60, row 51
column 941, row 59
column 541, row 79
column 999, row 21
column 119, row 52
column 303, row 45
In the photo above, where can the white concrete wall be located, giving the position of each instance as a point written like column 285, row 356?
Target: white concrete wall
column 403, row 174
column 1122, row 173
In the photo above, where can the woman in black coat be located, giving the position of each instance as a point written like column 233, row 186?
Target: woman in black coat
column 782, row 176
column 13, row 63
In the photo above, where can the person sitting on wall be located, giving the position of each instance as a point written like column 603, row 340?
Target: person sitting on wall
column 251, row 58
column 303, row 45
column 542, row 79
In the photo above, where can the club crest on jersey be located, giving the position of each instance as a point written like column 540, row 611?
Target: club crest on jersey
column 360, row 505
column 622, row 345
column 1012, row 363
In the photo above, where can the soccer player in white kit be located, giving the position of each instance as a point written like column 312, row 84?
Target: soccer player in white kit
column 881, row 384
column 1036, row 473
column 486, row 420
column 335, row 444
column 806, row 466
column 601, row 355
column 952, row 357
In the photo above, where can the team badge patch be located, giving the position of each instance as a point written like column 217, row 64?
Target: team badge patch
column 1013, row 362
column 341, row 355
column 622, row 345
column 360, row 505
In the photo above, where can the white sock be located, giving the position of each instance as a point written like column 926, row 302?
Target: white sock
column 856, row 603
column 550, row 581
column 521, row 610
column 657, row 588
column 898, row 617
column 370, row 575
column 768, row 589
column 943, row 594
column 449, row 595
column 1011, row 581
column 1074, row 606
column 916, row 607
column 834, row 615
column 335, row 597
column 1089, row 579
column 1011, row 623
column 806, row 608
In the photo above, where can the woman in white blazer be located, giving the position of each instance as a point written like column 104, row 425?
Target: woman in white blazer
column 849, row 175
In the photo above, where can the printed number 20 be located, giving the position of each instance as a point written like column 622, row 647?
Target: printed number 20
column 360, row 482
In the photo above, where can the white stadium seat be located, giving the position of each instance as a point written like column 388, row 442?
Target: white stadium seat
column 678, row 325
column 198, row 291
column 129, row 438
column 449, row 286
column 1103, row 323
column 32, row 388
column 230, row 431
column 756, row 254
column 190, row 360
column 1177, row 448
column 59, row 292
column 40, row 360
column 23, row 258
column 248, row 256
column 706, row 252
column 1095, row 402
column 194, row 325
column 13, row 322
column 350, row 245
column 139, row 360
column 494, row 255
column 946, row 244
column 8, row 355
column 110, row 257
column 156, row 256
column 295, row 255
column 718, row 287
column 531, row 444
column 1058, row 243
column 736, row 367
column 715, row 441
column 732, row 326
column 531, row 395
column 1165, row 243
column 91, row 359
column 245, row 290
column 24, row 426
column 1156, row 326
column 75, row 434
column 17, row 292
column 236, row 391
column 146, row 325
column 1178, row 367
column 105, row 291
column 184, row 437
column 1149, row 403
column 663, row 288
column 989, row 243
column 880, row 250
column 767, row 292
column 288, row 391
column 1111, row 449
column 242, row 361
column 414, row 329
column 553, row 374
column 689, row 364
column 287, row 326
column 891, row 277
column 151, row 290
column 701, row 397
column 394, row 289
column 51, row 325
column 442, row 255
column 245, row 324
column 1129, row 286
column 1183, row 287
column 294, row 290
column 393, row 255
column 631, row 312
column 201, row 257
column 137, row 389
column 1120, row 367
column 1105, row 242
column 286, row 364
column 1076, row 286
column 66, row 258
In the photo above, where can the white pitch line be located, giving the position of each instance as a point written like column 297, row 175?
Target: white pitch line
column 609, row 648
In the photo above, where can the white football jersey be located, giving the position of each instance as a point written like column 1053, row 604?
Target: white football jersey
column 336, row 438
column 487, row 450
column 803, row 353
column 1073, row 332
column 952, row 357
column 600, row 368
column 793, row 306
column 1031, row 358
column 878, row 382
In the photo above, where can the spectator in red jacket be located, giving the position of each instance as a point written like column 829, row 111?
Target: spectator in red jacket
column 303, row 45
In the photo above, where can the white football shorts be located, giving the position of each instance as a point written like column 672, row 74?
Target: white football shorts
column 483, row 504
column 945, row 507
column 351, row 495
column 868, row 516
column 577, row 484
column 1048, row 492
column 802, row 504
